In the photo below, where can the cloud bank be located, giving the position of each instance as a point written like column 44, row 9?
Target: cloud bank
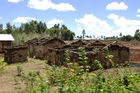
column 53, row 22
column 117, row 6
column 15, row 1
column 48, row 4
column 23, row 19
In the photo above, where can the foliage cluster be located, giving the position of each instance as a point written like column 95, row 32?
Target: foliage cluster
column 74, row 79
column 126, row 37
column 39, row 29
column 2, row 64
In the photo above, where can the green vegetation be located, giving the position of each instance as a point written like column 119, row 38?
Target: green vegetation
column 74, row 78
column 2, row 64
column 33, row 29
column 126, row 37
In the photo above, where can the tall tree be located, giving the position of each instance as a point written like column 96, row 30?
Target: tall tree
column 1, row 27
column 137, row 36
column 8, row 28
column 137, row 31
column 41, row 27
column 120, row 35
column 64, row 27
column 83, row 33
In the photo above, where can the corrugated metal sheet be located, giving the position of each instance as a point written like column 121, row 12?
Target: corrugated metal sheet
column 6, row 37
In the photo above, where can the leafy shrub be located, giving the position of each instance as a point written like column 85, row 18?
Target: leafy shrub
column 70, row 79
column 2, row 64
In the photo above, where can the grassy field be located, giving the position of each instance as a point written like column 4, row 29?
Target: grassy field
column 7, row 76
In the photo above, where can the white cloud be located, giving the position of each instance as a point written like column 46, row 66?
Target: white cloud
column 15, row 1
column 93, row 25
column 126, row 26
column 23, row 19
column 46, row 4
column 138, row 15
column 53, row 22
column 63, row 7
column 117, row 6
column 138, row 10
column 0, row 18
column 97, row 27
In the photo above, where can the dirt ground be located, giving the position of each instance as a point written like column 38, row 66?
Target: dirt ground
column 7, row 76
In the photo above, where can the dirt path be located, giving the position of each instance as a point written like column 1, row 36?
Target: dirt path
column 7, row 76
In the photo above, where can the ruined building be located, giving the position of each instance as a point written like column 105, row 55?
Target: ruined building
column 54, row 51
column 16, row 54
column 121, row 53
column 5, row 41
column 38, row 48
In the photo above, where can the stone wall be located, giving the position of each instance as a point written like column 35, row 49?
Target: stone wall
column 16, row 54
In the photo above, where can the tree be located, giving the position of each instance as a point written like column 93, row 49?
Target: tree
column 56, row 26
column 137, row 31
column 8, row 28
column 64, row 27
column 137, row 36
column 1, row 27
column 41, row 27
column 83, row 33
column 120, row 35
column 127, row 38
column 60, row 32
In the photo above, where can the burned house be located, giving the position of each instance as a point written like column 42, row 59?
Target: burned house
column 38, row 48
column 134, row 55
column 16, row 54
column 31, row 46
column 5, row 41
column 120, row 53
column 97, row 44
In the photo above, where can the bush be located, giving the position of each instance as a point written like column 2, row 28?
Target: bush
column 75, row 79
column 2, row 64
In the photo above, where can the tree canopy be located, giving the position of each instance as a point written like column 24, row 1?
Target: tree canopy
column 41, row 28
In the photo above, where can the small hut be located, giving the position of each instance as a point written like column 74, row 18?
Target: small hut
column 5, row 41
column 16, row 54
column 38, row 48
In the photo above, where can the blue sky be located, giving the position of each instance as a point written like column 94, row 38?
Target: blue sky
column 97, row 17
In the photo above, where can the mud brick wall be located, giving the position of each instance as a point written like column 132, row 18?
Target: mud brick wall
column 16, row 54
column 134, row 55
column 38, row 48
column 40, row 51
column 121, row 54
column 4, row 44
column 56, row 56
column 0, row 47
